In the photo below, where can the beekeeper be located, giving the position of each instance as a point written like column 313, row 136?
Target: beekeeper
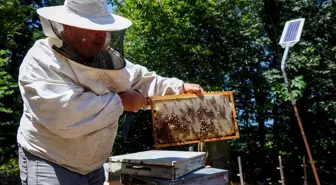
column 74, row 87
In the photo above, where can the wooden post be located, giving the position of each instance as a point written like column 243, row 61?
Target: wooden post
column 282, row 181
column 200, row 147
column 191, row 149
column 304, row 166
column 240, row 172
column 310, row 156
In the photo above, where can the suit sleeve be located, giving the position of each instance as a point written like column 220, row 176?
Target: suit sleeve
column 52, row 99
column 152, row 84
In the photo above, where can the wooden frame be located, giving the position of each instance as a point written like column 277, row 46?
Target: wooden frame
column 155, row 100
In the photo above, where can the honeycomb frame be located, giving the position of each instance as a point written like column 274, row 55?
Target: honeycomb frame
column 188, row 118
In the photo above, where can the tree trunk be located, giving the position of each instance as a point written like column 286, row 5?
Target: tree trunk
column 217, row 154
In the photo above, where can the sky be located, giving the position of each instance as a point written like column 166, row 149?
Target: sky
column 110, row 8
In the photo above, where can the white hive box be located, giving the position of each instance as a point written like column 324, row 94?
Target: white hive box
column 204, row 176
column 157, row 163
column 110, row 178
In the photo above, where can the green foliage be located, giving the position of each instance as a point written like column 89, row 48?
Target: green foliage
column 9, row 172
column 17, row 25
column 222, row 45
column 7, row 83
column 11, row 167
column 233, row 45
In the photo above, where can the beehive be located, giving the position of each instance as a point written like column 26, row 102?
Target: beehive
column 188, row 118
column 203, row 176
column 157, row 163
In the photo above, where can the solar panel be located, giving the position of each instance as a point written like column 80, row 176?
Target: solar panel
column 292, row 32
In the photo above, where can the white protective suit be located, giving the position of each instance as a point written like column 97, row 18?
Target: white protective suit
column 71, row 111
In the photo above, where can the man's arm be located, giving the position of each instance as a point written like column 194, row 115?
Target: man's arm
column 152, row 84
column 68, row 111
column 53, row 99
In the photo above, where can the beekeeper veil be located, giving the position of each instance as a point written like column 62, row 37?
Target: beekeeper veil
column 91, row 15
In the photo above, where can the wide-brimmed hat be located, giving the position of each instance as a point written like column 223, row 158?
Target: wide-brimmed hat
column 86, row 14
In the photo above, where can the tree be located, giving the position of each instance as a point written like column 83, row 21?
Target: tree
column 222, row 45
column 233, row 45
column 16, row 36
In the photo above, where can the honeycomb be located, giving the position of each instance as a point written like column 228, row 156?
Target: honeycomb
column 179, row 119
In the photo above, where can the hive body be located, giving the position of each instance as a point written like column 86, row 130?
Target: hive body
column 157, row 164
column 203, row 176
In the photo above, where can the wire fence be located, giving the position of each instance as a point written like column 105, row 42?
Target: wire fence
column 327, row 183
column 326, row 171
column 323, row 173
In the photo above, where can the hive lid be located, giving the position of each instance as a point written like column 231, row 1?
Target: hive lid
column 157, row 157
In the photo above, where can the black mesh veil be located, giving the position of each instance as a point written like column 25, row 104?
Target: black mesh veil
column 117, row 41
column 111, row 56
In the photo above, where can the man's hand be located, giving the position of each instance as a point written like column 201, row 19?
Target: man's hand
column 192, row 88
column 133, row 100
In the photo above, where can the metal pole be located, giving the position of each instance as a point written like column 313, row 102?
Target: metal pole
column 240, row 172
column 304, row 171
column 298, row 115
column 283, row 64
column 282, row 181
